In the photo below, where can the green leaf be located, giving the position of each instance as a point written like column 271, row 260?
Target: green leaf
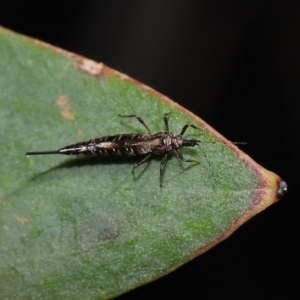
column 80, row 228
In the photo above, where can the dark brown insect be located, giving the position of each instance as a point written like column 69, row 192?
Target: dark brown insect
column 133, row 144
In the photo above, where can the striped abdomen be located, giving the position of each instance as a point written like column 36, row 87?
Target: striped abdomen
column 117, row 145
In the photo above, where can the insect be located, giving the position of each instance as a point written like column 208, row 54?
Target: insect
column 133, row 144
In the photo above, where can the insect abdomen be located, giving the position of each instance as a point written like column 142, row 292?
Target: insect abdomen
column 122, row 145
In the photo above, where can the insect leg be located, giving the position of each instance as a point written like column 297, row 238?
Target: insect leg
column 139, row 119
column 139, row 163
column 161, row 169
column 185, row 127
column 166, row 121
column 185, row 160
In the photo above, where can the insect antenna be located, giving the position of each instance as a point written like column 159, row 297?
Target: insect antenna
column 208, row 162
column 239, row 143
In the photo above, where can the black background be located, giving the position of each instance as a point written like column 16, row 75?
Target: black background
column 236, row 65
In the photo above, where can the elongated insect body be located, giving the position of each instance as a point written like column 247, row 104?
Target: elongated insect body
column 132, row 144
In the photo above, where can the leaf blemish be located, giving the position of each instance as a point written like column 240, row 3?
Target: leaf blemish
column 22, row 219
column 107, row 234
column 90, row 67
column 63, row 103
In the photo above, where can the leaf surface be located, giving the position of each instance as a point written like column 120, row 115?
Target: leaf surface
column 80, row 228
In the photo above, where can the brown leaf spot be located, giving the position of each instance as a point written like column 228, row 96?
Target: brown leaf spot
column 90, row 67
column 63, row 103
column 22, row 219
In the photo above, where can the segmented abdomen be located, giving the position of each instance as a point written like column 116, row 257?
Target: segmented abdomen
column 123, row 145
column 115, row 145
